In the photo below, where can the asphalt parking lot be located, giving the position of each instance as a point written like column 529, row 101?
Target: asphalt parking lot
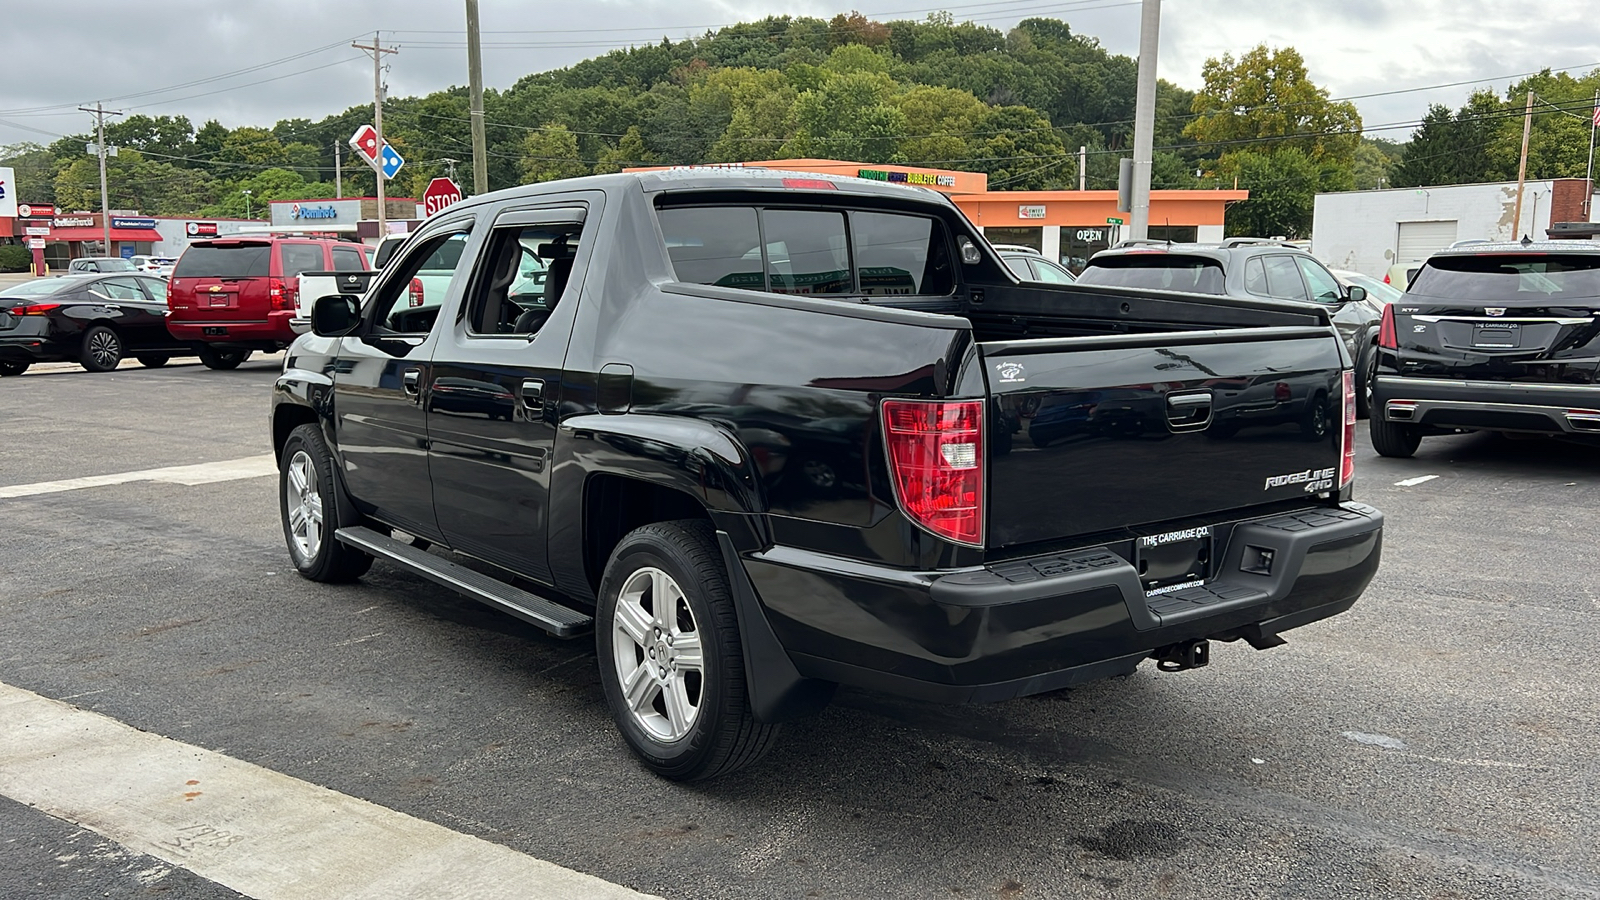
column 1438, row 741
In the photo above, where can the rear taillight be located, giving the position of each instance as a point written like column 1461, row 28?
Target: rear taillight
column 34, row 309
column 1386, row 278
column 280, row 297
column 1281, row 392
column 169, row 294
column 1388, row 337
column 936, row 464
column 416, row 292
column 1347, row 468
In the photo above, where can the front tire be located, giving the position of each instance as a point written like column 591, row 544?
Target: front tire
column 670, row 658
column 223, row 360
column 1366, row 370
column 1393, row 439
column 101, row 350
column 310, row 512
column 153, row 360
column 13, row 368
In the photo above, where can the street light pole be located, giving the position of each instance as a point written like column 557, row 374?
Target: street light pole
column 1144, row 120
column 247, row 193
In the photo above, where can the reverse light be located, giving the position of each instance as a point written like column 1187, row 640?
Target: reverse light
column 936, row 464
column 1388, row 336
column 1347, row 467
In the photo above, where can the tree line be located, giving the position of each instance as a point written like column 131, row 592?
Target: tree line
column 1015, row 105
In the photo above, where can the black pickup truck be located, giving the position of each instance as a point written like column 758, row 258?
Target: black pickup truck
column 767, row 433
column 1491, row 336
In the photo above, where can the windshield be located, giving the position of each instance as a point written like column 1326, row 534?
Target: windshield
column 111, row 264
column 1377, row 290
column 1156, row 271
column 1507, row 277
column 225, row 261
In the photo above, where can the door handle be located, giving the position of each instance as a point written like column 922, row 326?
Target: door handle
column 411, row 382
column 533, row 392
column 1189, row 412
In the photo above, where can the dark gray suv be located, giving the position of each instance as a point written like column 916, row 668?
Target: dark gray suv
column 1247, row 267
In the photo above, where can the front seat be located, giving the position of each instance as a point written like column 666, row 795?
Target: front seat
column 555, row 283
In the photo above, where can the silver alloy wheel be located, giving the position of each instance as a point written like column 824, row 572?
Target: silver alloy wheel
column 304, row 504
column 657, row 651
column 105, row 348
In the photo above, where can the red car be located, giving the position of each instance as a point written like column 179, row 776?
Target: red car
column 235, row 295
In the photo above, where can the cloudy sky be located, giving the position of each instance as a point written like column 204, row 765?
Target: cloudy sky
column 169, row 58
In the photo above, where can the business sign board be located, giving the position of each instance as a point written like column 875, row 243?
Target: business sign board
column 35, row 243
column 200, row 229
column 132, row 222
column 316, row 212
column 1030, row 212
column 35, row 210
column 926, row 179
column 8, row 193
column 37, row 231
column 73, row 221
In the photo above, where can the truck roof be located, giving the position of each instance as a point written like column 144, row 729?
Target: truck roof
column 725, row 179
column 1503, row 247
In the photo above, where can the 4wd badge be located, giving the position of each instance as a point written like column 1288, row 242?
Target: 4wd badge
column 1011, row 373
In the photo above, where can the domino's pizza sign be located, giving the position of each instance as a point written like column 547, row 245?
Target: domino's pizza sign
column 8, row 193
column 300, row 211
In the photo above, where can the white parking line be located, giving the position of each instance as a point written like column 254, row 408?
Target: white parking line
column 259, row 832
column 1413, row 482
column 202, row 473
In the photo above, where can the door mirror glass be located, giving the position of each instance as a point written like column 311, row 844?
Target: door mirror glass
column 335, row 315
column 1357, row 293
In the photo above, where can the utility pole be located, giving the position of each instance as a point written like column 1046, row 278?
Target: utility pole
column 1522, row 167
column 1588, row 172
column 450, row 167
column 1144, row 119
column 377, row 50
column 480, row 150
column 1083, row 168
column 338, row 172
column 100, row 113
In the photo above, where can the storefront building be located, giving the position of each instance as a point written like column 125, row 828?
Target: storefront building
column 1069, row 226
column 349, row 217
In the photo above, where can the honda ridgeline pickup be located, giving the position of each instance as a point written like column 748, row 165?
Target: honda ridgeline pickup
column 766, row 433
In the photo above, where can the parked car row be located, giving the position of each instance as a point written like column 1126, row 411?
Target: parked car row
column 225, row 299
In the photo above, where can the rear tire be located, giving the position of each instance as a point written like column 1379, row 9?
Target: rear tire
column 309, row 510
column 153, row 360
column 13, row 368
column 670, row 658
column 1393, row 439
column 101, row 350
column 223, row 360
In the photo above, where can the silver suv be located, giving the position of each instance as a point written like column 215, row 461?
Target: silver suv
column 1247, row 267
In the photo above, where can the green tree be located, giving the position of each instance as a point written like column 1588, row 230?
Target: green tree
column 849, row 117
column 1283, row 183
column 1457, row 148
column 1374, row 164
column 630, row 151
column 1265, row 99
column 551, row 154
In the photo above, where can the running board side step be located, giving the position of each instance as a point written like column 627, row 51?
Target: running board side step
column 558, row 620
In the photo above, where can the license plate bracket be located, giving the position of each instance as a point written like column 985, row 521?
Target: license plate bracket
column 1497, row 336
column 214, row 331
column 1174, row 558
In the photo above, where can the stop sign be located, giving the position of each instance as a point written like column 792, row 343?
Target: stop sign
column 441, row 193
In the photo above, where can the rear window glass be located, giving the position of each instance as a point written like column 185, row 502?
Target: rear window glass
column 235, row 261
column 808, row 251
column 348, row 260
column 1156, row 271
column 297, row 258
column 1519, row 276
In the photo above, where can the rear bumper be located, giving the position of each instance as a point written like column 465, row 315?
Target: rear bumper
column 1030, row 625
column 30, row 348
column 273, row 332
column 1492, row 405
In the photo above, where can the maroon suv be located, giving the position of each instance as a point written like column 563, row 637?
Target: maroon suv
column 236, row 294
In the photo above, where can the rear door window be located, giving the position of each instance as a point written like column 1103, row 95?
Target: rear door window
column 713, row 245
column 899, row 254
column 1050, row 274
column 119, row 289
column 348, row 260
column 806, row 252
column 297, row 258
column 233, row 260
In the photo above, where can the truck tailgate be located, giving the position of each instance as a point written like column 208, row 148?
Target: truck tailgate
column 1111, row 433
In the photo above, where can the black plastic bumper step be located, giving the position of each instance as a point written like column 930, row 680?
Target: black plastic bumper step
column 552, row 617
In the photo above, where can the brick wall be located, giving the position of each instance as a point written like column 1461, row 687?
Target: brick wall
column 1566, row 200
